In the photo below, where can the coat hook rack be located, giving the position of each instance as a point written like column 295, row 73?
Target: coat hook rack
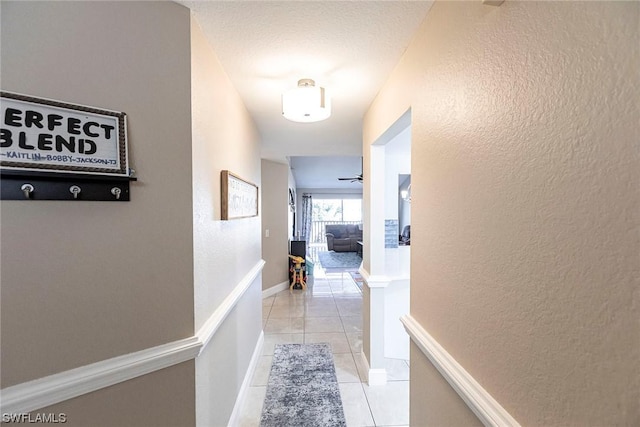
column 55, row 150
column 19, row 185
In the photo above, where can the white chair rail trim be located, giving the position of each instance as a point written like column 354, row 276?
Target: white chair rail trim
column 36, row 394
column 374, row 281
column 486, row 408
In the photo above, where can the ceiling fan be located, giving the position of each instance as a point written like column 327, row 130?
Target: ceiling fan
column 357, row 178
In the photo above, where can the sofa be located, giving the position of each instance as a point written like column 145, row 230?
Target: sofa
column 343, row 237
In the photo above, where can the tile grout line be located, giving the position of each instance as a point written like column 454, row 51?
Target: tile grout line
column 368, row 403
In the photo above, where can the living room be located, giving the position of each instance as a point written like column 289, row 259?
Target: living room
column 333, row 201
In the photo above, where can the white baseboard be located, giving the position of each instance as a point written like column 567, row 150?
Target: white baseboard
column 374, row 376
column 486, row 408
column 275, row 289
column 377, row 377
column 32, row 395
column 236, row 415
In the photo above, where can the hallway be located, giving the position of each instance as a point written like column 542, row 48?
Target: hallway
column 149, row 310
column 330, row 311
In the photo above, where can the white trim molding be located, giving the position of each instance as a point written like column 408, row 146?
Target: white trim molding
column 36, row 394
column 486, row 408
column 374, row 281
column 374, row 376
column 236, row 415
column 377, row 377
column 275, row 289
column 56, row 388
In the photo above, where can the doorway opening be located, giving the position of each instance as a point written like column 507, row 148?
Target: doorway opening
column 387, row 259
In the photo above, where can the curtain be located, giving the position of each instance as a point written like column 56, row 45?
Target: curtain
column 307, row 213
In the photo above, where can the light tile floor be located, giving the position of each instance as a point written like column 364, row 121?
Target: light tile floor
column 330, row 310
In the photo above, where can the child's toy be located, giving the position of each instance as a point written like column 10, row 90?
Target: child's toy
column 298, row 273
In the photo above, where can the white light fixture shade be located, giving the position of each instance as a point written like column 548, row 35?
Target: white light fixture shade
column 307, row 103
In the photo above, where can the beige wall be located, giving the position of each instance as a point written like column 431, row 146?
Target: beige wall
column 163, row 399
column 525, row 205
column 224, row 137
column 428, row 385
column 83, row 282
column 275, row 218
column 86, row 281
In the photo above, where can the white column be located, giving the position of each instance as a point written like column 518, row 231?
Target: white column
column 377, row 211
column 377, row 371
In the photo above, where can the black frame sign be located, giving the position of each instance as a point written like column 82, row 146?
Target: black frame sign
column 39, row 134
column 239, row 197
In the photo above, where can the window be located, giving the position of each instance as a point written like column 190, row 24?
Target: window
column 337, row 210
column 333, row 211
column 352, row 210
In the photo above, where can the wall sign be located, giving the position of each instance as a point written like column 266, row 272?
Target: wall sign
column 43, row 135
column 239, row 197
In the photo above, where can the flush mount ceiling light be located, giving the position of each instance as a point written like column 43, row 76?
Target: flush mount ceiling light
column 307, row 103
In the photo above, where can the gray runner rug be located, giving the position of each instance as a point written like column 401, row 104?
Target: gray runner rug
column 302, row 389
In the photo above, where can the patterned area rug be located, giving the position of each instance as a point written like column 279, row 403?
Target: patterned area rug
column 302, row 389
column 333, row 259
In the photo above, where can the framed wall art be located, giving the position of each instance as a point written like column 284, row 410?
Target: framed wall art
column 40, row 134
column 239, row 197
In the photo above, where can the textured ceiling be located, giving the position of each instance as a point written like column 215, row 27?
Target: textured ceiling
column 347, row 47
column 323, row 171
